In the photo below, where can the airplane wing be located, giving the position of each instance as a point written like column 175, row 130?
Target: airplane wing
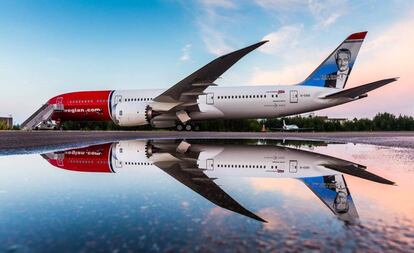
column 186, row 91
column 194, row 178
column 334, row 193
column 185, row 170
column 361, row 90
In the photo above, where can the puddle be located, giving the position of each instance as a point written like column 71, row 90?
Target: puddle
column 209, row 195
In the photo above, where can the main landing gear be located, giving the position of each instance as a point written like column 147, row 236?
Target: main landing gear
column 187, row 127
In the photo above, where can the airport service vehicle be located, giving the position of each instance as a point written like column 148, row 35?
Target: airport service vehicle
column 203, row 166
column 46, row 125
column 197, row 97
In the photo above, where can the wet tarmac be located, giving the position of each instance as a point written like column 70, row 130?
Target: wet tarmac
column 208, row 195
column 22, row 142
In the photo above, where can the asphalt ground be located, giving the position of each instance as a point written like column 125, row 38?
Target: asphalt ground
column 18, row 142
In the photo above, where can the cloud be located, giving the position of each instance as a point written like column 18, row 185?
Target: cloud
column 324, row 12
column 384, row 54
column 287, row 186
column 284, row 38
column 185, row 53
column 218, row 3
column 291, row 74
column 281, row 4
column 215, row 39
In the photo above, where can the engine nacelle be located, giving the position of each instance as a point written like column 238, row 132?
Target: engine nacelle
column 131, row 114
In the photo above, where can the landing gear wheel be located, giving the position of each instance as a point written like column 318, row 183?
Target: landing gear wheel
column 180, row 127
column 188, row 127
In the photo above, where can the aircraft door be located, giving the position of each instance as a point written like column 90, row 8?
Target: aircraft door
column 293, row 96
column 60, row 162
column 59, row 103
column 293, row 166
column 118, row 164
column 210, row 98
column 116, row 153
column 209, row 164
column 118, row 99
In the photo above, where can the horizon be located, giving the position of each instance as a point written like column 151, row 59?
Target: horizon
column 54, row 47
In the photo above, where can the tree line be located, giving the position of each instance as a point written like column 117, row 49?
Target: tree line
column 381, row 122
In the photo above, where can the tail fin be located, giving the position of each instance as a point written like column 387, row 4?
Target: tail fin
column 335, row 70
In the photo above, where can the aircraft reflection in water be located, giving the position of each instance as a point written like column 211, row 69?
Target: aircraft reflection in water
column 200, row 165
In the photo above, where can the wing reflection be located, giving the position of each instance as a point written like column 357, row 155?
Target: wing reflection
column 199, row 164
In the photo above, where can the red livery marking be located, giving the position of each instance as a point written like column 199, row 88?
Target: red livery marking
column 90, row 159
column 357, row 36
column 83, row 105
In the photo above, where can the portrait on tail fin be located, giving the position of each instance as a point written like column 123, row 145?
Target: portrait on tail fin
column 338, row 79
column 334, row 193
column 334, row 71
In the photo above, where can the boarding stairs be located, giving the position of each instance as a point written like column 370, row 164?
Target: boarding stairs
column 44, row 113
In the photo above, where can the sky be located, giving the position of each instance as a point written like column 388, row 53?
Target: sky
column 48, row 47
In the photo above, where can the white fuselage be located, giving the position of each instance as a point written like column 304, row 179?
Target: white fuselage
column 128, row 106
column 218, row 161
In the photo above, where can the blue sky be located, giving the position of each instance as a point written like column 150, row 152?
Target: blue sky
column 50, row 47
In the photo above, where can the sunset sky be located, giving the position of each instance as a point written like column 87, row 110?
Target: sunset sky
column 49, row 47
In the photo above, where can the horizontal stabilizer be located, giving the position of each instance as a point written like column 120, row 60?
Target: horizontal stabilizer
column 354, row 170
column 360, row 90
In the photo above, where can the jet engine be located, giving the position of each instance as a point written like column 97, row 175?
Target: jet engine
column 132, row 114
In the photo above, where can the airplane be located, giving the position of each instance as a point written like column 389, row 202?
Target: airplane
column 202, row 165
column 291, row 127
column 197, row 98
